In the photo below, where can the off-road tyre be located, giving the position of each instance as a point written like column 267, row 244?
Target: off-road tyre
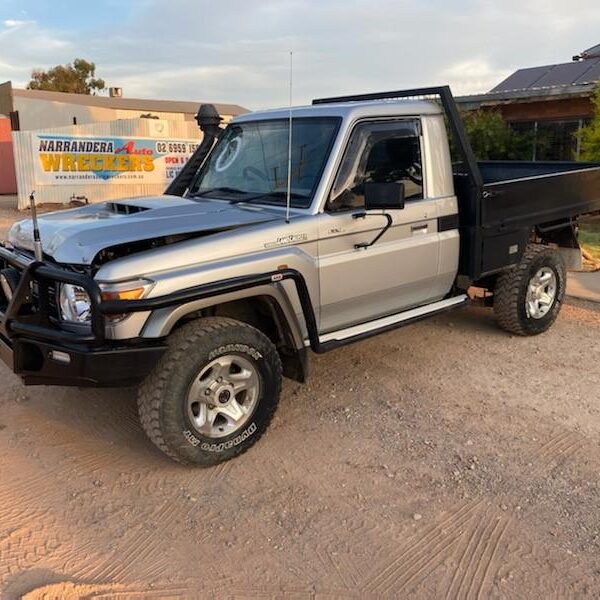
column 510, row 292
column 163, row 396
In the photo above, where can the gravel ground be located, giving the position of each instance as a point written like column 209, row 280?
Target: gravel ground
column 444, row 460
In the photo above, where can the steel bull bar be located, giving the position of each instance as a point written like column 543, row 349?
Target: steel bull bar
column 36, row 346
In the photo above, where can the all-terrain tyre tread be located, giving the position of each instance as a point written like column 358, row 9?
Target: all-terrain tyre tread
column 152, row 389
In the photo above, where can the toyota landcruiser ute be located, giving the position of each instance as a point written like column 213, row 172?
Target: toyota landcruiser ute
column 287, row 232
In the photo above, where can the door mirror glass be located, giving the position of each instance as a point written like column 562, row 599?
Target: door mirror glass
column 384, row 195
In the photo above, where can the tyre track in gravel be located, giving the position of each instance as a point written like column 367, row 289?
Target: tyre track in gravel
column 34, row 528
column 443, row 541
column 27, row 528
column 480, row 558
column 37, row 530
column 559, row 449
column 24, row 546
column 569, row 579
column 85, row 448
column 142, row 553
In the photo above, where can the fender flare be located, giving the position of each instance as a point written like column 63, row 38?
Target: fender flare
column 162, row 321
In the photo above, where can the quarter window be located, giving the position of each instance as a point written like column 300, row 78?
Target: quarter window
column 379, row 152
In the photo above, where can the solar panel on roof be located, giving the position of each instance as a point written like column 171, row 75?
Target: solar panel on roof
column 521, row 79
column 564, row 74
column 592, row 74
column 577, row 72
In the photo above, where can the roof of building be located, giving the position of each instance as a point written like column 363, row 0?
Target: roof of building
column 550, row 82
column 142, row 104
column 580, row 72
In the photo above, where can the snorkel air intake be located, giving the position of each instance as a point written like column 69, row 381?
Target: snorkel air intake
column 208, row 120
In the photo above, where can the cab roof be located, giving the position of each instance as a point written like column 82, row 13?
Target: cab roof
column 349, row 110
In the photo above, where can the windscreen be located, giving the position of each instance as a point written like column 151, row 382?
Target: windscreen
column 250, row 161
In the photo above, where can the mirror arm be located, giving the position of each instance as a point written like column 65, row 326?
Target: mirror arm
column 363, row 215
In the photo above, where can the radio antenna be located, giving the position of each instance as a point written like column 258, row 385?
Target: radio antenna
column 37, row 241
column 288, row 200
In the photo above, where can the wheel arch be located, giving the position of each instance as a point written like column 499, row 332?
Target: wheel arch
column 564, row 237
column 268, row 308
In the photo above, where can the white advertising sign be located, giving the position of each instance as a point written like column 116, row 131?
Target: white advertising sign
column 68, row 159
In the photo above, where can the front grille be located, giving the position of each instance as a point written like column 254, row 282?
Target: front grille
column 53, row 300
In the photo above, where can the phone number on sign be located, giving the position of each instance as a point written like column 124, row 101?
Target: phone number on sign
column 175, row 147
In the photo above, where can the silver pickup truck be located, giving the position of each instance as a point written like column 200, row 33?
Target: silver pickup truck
column 207, row 296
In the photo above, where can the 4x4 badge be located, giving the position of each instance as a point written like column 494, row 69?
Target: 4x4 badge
column 286, row 240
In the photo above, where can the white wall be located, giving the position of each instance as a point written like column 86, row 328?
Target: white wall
column 42, row 114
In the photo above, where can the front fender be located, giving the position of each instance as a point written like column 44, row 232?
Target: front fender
column 161, row 322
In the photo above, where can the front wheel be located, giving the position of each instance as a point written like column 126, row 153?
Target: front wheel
column 528, row 298
column 214, row 392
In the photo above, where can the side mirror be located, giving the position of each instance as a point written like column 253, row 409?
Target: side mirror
column 384, row 195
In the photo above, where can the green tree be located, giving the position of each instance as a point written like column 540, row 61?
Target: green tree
column 76, row 78
column 493, row 139
column 590, row 134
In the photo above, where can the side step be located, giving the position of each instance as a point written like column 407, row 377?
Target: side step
column 365, row 330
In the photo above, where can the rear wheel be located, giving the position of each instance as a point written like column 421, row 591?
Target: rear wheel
column 528, row 298
column 214, row 392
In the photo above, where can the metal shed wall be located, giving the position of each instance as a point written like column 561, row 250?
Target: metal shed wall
column 61, row 194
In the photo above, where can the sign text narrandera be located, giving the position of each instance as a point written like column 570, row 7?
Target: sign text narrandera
column 71, row 159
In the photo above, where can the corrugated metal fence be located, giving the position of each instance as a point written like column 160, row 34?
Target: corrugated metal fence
column 61, row 194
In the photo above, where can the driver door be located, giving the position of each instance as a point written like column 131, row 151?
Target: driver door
column 399, row 271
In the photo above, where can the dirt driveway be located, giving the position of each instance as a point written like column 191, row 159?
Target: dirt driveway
column 444, row 460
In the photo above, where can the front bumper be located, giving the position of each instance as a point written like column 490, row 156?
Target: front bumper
column 47, row 363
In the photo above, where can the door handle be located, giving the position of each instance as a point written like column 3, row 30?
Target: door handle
column 419, row 229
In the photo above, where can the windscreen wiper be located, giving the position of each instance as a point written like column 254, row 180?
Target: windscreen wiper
column 224, row 190
column 267, row 195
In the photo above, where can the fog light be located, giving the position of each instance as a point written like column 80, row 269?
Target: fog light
column 61, row 357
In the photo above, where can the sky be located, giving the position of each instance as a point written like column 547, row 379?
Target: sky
column 237, row 51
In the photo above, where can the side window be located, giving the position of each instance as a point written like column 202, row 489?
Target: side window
column 388, row 151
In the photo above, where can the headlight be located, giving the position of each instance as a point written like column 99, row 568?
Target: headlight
column 75, row 304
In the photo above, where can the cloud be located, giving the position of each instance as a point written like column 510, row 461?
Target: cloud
column 11, row 23
column 473, row 76
column 237, row 51
column 24, row 45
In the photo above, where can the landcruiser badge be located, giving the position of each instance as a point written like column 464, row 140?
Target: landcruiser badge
column 286, row 240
